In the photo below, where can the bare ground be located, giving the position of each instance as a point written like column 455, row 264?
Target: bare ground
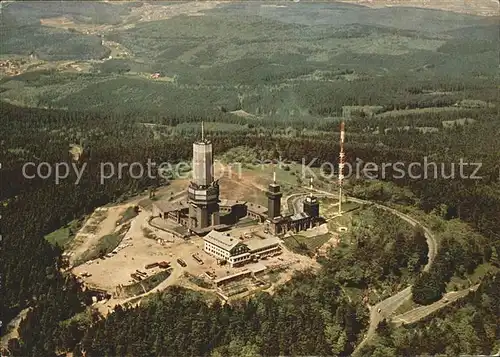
column 87, row 237
column 110, row 272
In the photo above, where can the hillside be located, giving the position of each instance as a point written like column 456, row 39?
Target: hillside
column 88, row 84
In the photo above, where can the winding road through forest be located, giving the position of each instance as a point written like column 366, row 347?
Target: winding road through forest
column 388, row 306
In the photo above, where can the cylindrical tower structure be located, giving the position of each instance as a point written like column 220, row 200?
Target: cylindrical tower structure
column 273, row 199
column 203, row 192
column 341, row 164
column 203, row 163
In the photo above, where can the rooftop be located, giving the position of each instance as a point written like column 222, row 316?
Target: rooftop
column 229, row 203
column 201, row 231
column 167, row 206
column 256, row 267
column 256, row 208
column 259, row 243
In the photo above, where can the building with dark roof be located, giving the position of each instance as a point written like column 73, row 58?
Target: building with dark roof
column 295, row 222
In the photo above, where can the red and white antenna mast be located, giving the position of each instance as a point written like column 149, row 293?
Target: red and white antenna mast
column 341, row 164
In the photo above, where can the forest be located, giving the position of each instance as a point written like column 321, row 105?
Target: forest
column 471, row 327
column 421, row 88
column 40, row 207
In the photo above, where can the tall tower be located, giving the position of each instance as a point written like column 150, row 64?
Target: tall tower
column 203, row 191
column 311, row 203
column 341, row 164
column 273, row 199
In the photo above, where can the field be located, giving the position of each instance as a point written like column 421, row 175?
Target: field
column 64, row 235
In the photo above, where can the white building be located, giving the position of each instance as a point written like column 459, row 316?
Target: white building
column 225, row 247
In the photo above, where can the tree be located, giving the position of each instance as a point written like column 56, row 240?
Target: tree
column 250, row 350
column 428, row 288
column 494, row 257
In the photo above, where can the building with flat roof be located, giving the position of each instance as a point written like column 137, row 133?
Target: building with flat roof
column 261, row 247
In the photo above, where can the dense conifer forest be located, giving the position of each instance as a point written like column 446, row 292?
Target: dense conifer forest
column 33, row 208
column 405, row 93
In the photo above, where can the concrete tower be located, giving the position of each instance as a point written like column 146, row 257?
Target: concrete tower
column 341, row 164
column 273, row 199
column 311, row 204
column 203, row 191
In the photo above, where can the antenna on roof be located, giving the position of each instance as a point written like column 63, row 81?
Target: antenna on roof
column 311, row 185
column 202, row 132
column 274, row 176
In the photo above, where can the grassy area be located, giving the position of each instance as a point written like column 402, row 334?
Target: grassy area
column 458, row 283
column 202, row 283
column 285, row 174
column 60, row 237
column 64, row 235
column 306, row 245
column 105, row 245
column 406, row 306
column 146, row 284
column 129, row 213
column 339, row 221
column 350, row 206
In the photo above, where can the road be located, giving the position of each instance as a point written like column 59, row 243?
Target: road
column 422, row 311
column 429, row 236
column 293, row 202
column 388, row 306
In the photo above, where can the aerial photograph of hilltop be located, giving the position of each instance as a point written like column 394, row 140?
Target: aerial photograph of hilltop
column 249, row 178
